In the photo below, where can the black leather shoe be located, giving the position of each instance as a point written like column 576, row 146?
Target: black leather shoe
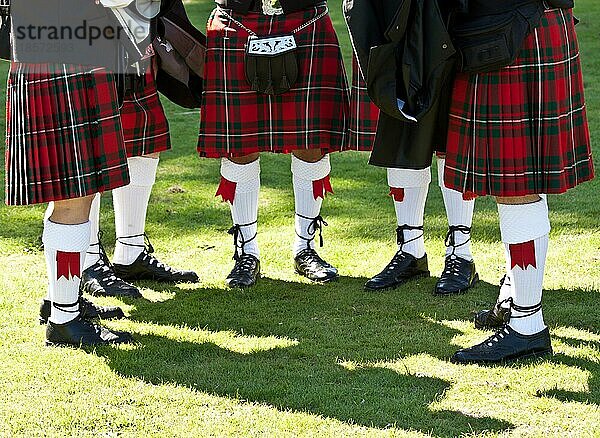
column 245, row 272
column 308, row 264
column 147, row 267
column 100, row 280
column 492, row 318
column 81, row 332
column 402, row 268
column 497, row 316
column 87, row 310
column 506, row 345
column 459, row 276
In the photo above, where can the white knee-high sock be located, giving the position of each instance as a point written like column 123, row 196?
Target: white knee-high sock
column 525, row 229
column 240, row 186
column 131, row 204
column 47, row 214
column 459, row 210
column 311, row 183
column 92, row 256
column 49, row 211
column 409, row 190
column 64, row 248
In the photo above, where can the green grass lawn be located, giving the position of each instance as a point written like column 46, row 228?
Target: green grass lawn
column 289, row 358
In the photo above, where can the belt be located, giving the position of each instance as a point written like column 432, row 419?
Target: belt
column 257, row 6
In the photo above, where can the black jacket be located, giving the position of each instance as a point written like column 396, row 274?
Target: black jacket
column 405, row 53
column 5, row 31
column 288, row 6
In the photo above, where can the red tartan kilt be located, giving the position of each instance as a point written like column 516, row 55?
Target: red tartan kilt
column 236, row 121
column 64, row 134
column 364, row 114
column 523, row 129
column 145, row 126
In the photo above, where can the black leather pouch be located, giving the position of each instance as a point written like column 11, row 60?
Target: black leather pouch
column 270, row 63
column 491, row 42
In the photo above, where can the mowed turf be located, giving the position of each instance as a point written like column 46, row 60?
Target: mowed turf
column 289, row 358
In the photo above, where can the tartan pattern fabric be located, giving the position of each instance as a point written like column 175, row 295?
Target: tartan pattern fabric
column 64, row 137
column 523, row 129
column 364, row 114
column 236, row 121
column 145, row 126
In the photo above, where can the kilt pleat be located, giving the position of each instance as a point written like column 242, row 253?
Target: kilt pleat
column 236, row 121
column 64, row 136
column 523, row 129
column 364, row 114
column 145, row 125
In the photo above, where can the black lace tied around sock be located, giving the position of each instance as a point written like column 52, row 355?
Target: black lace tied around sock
column 451, row 236
column 316, row 225
column 238, row 239
column 101, row 251
column 400, row 240
column 146, row 245
column 66, row 307
column 526, row 311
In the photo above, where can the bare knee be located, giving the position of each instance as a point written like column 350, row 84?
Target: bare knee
column 518, row 200
column 72, row 211
column 246, row 159
column 309, row 155
column 155, row 155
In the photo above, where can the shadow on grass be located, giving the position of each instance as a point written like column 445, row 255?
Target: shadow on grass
column 592, row 395
column 321, row 327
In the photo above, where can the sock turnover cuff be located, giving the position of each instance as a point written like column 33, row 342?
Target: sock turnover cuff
column 240, row 173
column 142, row 171
column 68, row 238
column 311, row 171
column 408, row 178
column 524, row 222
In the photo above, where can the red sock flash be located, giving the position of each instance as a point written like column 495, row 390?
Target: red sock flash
column 226, row 190
column 523, row 255
column 67, row 265
column 321, row 187
column 397, row 193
